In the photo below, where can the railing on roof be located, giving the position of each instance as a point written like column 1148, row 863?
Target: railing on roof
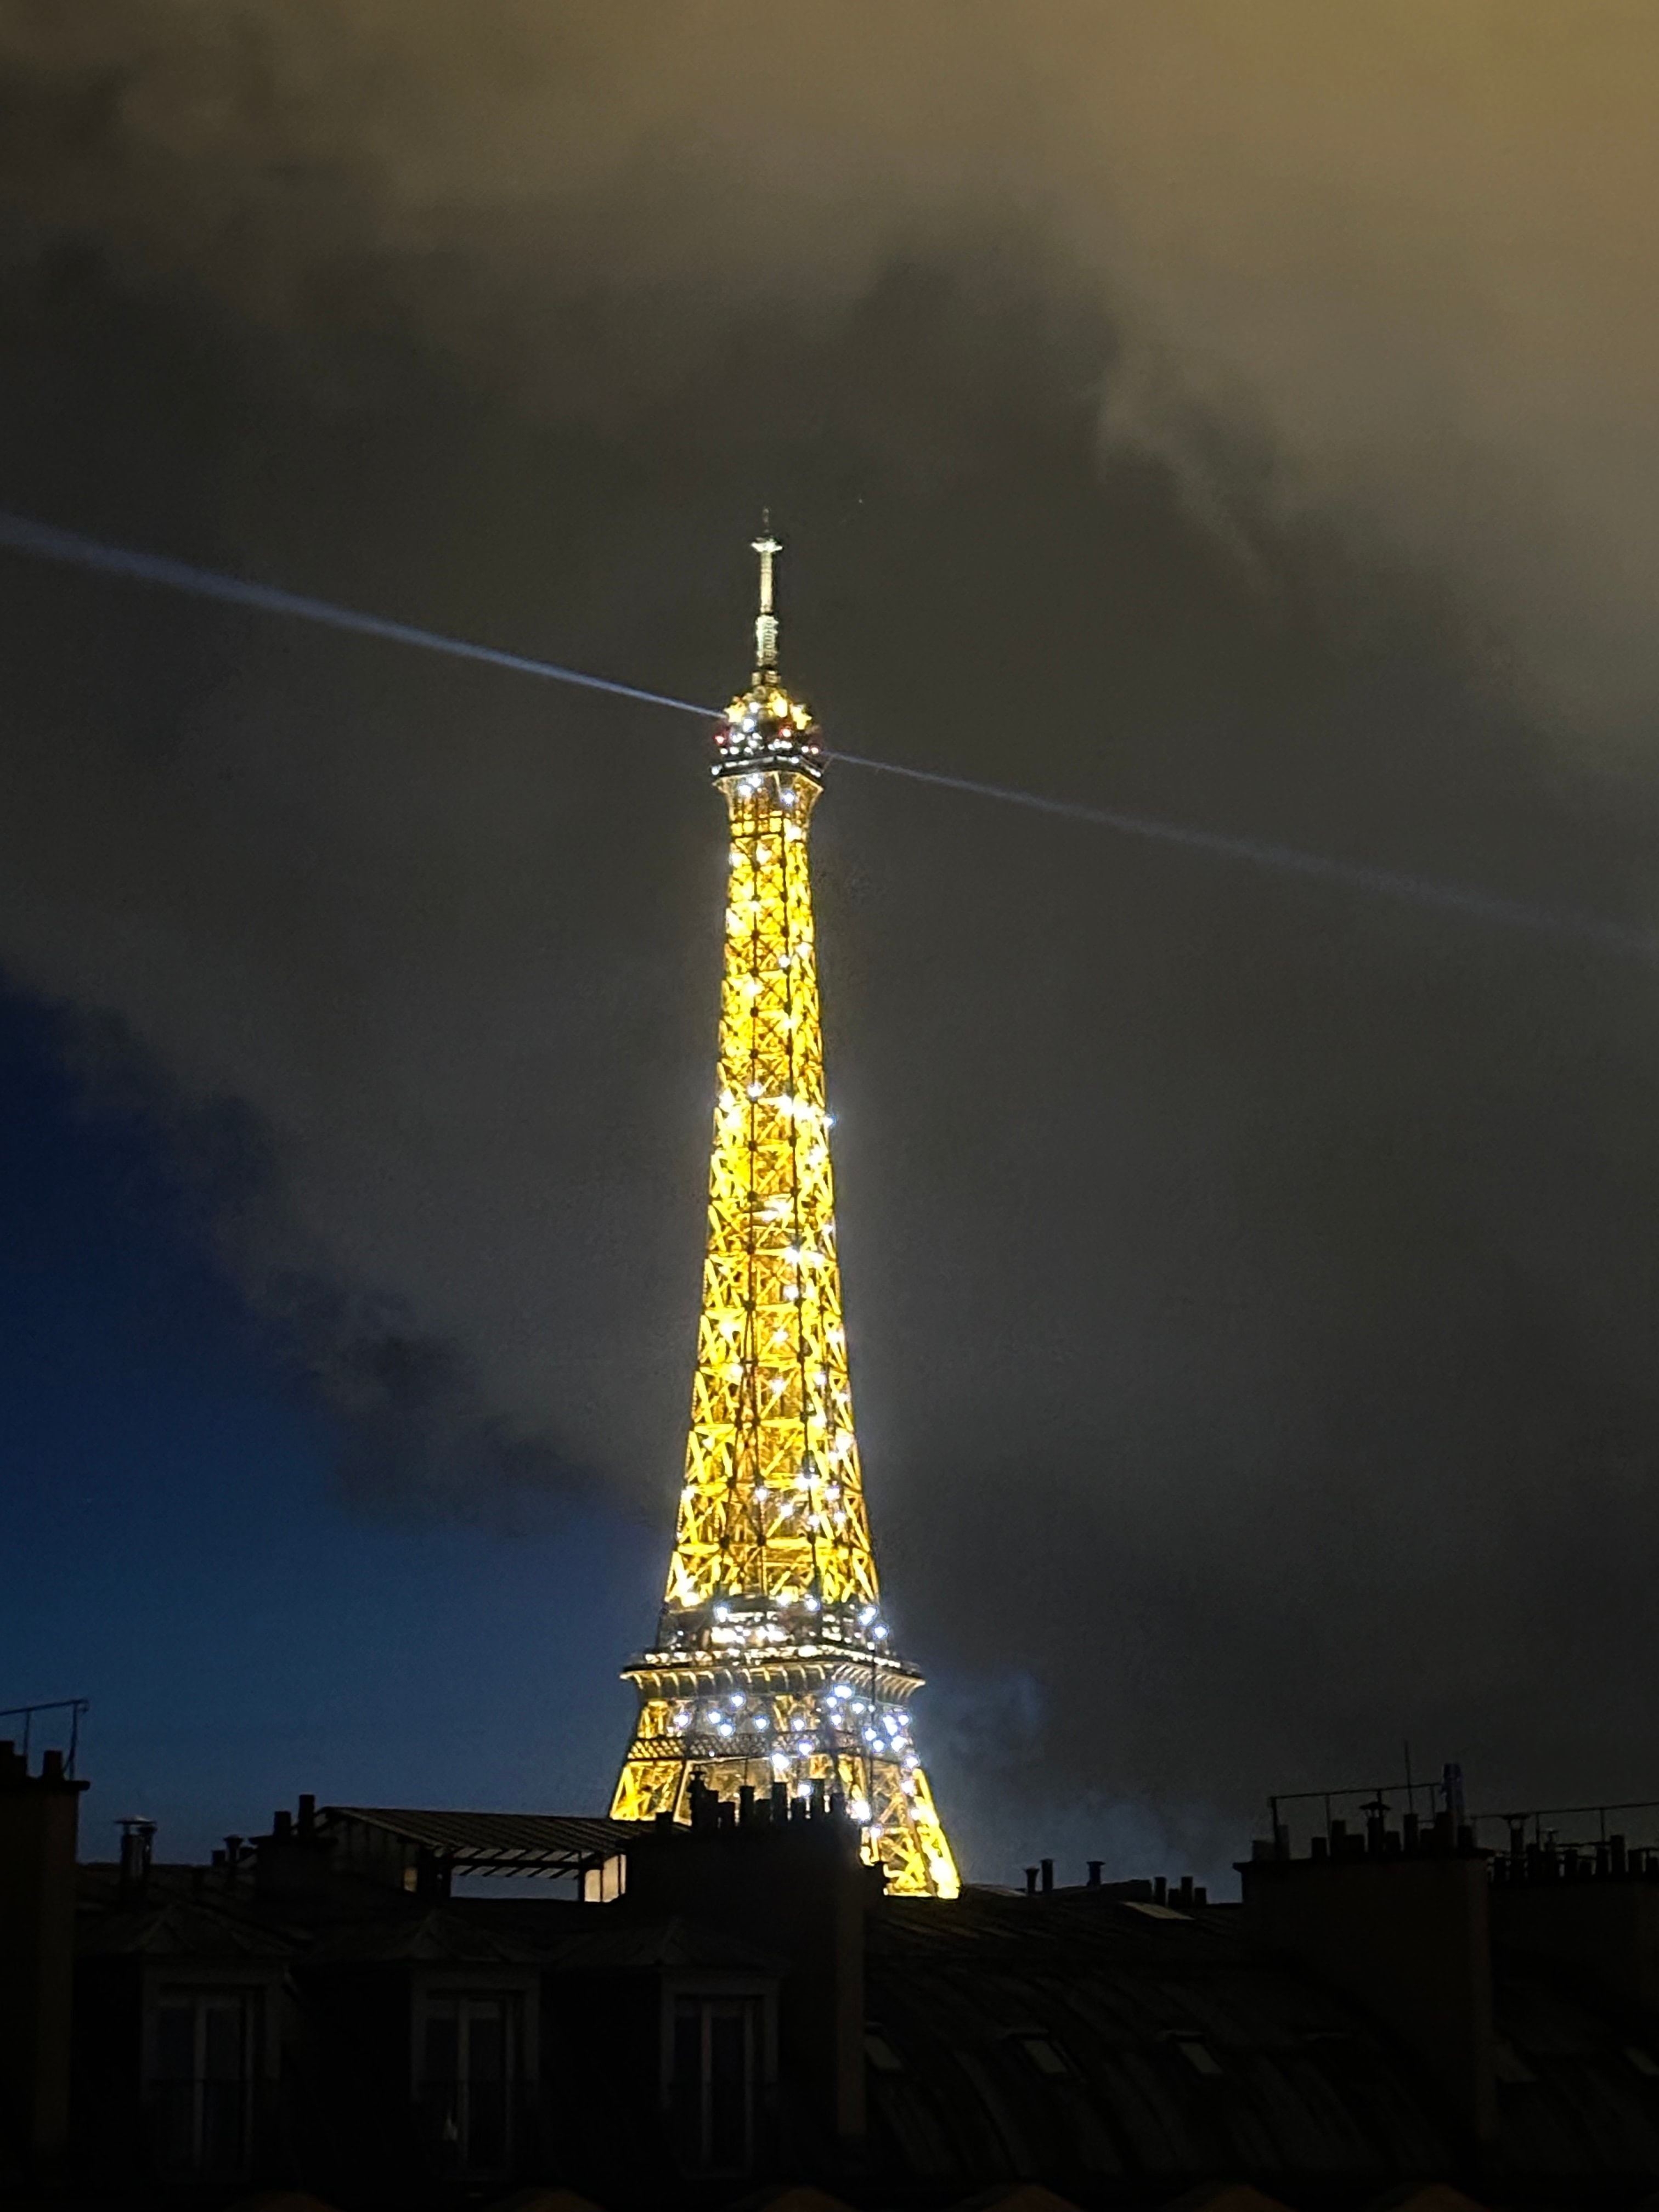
column 1565, row 1828
column 73, row 1706
column 1377, row 1799
column 1517, row 1824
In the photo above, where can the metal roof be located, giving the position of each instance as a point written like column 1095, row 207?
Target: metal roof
column 1083, row 2042
column 493, row 1843
column 1079, row 2040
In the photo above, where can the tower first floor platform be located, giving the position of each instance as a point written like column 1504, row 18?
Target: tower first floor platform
column 808, row 1719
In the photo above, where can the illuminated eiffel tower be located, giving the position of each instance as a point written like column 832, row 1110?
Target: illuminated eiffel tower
column 772, row 1670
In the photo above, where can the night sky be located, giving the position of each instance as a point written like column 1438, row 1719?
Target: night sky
column 1240, row 415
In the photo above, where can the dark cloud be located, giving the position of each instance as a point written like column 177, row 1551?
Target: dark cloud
column 1251, row 1285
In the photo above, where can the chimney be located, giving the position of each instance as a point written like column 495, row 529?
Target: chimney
column 1095, row 1865
column 1603, row 1922
column 292, row 1866
column 137, row 1845
column 1047, row 1875
column 796, row 1888
column 1408, row 1938
column 39, row 1820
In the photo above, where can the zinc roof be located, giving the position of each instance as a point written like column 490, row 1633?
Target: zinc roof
column 502, row 1843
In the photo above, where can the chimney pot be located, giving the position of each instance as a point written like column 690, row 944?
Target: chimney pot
column 1030, row 1881
column 1095, row 1865
column 137, row 1838
column 1047, row 1875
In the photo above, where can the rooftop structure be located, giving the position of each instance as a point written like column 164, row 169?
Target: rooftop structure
column 744, row 2009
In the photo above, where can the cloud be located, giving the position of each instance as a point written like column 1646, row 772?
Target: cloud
column 1405, row 249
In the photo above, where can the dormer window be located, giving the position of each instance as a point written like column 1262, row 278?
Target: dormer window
column 205, row 2063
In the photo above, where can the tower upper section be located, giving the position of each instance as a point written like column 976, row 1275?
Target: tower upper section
column 764, row 728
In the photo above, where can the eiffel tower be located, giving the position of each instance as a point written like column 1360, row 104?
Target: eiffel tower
column 773, row 1670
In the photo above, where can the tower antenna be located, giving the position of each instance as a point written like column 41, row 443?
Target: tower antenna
column 765, row 622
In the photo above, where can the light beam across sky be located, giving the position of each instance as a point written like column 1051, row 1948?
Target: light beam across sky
column 43, row 541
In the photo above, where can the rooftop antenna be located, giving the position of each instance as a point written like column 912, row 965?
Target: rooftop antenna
column 765, row 622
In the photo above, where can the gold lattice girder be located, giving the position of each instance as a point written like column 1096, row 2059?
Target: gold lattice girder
column 773, row 1499
column 772, row 1662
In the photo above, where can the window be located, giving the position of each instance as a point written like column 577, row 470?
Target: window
column 206, row 2062
column 1198, row 2056
column 469, row 2055
column 1043, row 2053
column 880, row 2052
column 1508, row 2064
column 606, row 1883
column 712, row 2090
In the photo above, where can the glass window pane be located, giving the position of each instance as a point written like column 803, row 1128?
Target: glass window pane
column 728, row 2086
column 223, row 2104
column 442, row 2052
column 175, row 2043
column 486, row 2124
column 486, row 2043
column 685, row 2091
column 221, row 2041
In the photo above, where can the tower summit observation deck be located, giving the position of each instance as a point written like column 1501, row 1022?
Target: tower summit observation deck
column 773, row 1669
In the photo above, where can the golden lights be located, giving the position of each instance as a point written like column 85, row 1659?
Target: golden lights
column 773, row 1667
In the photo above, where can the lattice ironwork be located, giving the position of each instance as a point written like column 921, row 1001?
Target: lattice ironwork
column 773, row 1661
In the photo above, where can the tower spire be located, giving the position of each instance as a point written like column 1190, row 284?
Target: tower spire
column 765, row 622
column 772, row 1670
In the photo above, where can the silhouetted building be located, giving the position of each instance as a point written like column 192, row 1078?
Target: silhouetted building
column 664, row 2015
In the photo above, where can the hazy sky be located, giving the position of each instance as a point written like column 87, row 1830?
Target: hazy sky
column 1241, row 413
